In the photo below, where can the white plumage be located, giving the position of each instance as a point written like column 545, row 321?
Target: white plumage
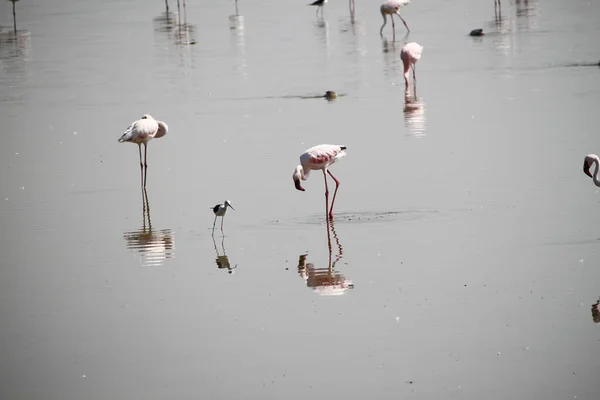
column 141, row 132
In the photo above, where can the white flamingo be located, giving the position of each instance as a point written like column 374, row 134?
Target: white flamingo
column 410, row 54
column 590, row 160
column 392, row 8
column 141, row 132
column 320, row 157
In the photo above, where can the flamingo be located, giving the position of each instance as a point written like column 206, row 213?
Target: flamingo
column 410, row 54
column 320, row 157
column 220, row 210
column 390, row 8
column 590, row 160
column 141, row 132
column 319, row 4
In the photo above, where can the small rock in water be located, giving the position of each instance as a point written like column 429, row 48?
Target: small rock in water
column 476, row 32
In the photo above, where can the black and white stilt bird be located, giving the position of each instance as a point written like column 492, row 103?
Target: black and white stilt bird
column 220, row 210
column 319, row 4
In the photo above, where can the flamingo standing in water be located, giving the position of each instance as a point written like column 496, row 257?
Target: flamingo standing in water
column 320, row 157
column 410, row 54
column 392, row 8
column 141, row 132
column 590, row 160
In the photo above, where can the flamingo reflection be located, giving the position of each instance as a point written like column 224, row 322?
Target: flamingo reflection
column 325, row 281
column 222, row 260
column 154, row 246
column 414, row 115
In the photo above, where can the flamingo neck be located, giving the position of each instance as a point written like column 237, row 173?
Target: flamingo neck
column 304, row 173
column 596, row 171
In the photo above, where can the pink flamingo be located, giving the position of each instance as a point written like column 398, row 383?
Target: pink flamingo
column 320, row 157
column 390, row 8
column 410, row 54
column 141, row 132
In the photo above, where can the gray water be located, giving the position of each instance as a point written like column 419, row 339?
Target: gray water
column 464, row 259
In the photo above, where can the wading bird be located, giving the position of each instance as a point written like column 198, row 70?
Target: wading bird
column 220, row 210
column 590, row 160
column 141, row 132
column 319, row 4
column 392, row 8
column 410, row 54
column 320, row 157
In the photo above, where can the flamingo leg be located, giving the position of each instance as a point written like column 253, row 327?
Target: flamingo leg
column 382, row 26
column 326, row 195
column 145, row 162
column 337, row 185
column 393, row 27
column 141, row 165
column 184, row 14
column 414, row 74
column 403, row 21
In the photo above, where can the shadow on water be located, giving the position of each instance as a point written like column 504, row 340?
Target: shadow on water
column 414, row 115
column 327, row 97
column 364, row 217
column 154, row 246
column 325, row 281
column 222, row 261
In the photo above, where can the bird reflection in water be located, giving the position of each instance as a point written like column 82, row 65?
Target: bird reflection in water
column 325, row 281
column 154, row 246
column 236, row 21
column 180, row 32
column 414, row 114
column 595, row 312
column 222, row 260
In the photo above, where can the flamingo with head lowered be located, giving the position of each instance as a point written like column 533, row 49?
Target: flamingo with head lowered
column 590, row 160
column 392, row 8
column 410, row 54
column 320, row 157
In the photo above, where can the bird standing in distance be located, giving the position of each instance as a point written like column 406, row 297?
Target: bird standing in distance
column 410, row 54
column 590, row 160
column 319, row 4
column 320, row 157
column 141, row 132
column 220, row 210
column 392, row 8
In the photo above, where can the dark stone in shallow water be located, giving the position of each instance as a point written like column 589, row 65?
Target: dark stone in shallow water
column 476, row 32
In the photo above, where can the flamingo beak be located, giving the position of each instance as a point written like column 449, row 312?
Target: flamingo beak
column 586, row 168
column 298, row 185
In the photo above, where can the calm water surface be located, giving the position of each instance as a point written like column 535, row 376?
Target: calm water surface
column 465, row 257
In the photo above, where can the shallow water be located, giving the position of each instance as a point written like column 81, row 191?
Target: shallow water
column 464, row 259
